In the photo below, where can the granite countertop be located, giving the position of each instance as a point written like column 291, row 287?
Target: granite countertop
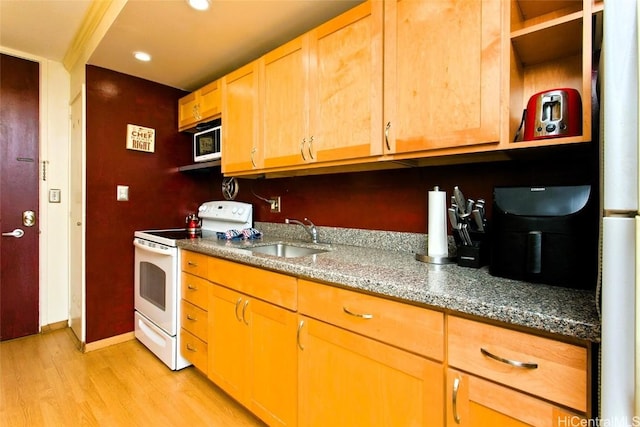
column 384, row 263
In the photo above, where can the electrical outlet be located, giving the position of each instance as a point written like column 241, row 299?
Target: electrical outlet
column 122, row 193
column 275, row 204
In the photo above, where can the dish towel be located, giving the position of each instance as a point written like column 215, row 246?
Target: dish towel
column 244, row 234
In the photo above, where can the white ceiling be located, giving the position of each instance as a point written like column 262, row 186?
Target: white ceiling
column 189, row 48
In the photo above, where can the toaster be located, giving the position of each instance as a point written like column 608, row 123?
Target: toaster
column 552, row 114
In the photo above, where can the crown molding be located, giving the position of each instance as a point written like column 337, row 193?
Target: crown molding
column 99, row 17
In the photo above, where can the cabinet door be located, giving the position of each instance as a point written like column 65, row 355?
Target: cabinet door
column 240, row 114
column 472, row 401
column 273, row 363
column 346, row 86
column 349, row 380
column 188, row 111
column 442, row 73
column 286, row 111
column 210, row 101
column 228, row 338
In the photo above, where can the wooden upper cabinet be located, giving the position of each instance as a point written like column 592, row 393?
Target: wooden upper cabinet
column 286, row 103
column 323, row 92
column 550, row 46
column 188, row 111
column 240, row 120
column 200, row 106
column 442, row 74
column 346, row 85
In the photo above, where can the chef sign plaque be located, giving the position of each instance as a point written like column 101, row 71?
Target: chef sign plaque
column 141, row 138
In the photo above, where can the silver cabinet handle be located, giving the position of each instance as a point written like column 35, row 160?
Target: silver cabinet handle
column 192, row 264
column 300, row 326
column 236, row 310
column 360, row 315
column 304, row 141
column 192, row 287
column 514, row 363
column 454, row 400
column 17, row 233
column 310, row 148
column 191, row 348
column 253, row 162
column 386, row 135
column 244, row 309
column 190, row 317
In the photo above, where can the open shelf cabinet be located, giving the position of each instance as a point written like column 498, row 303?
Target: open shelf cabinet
column 552, row 45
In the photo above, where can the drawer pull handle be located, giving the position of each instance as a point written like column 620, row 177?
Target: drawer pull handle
column 236, row 310
column 192, row 287
column 300, row 326
column 244, row 309
column 310, row 148
column 514, row 363
column 454, row 398
column 191, row 348
column 386, row 135
column 190, row 317
column 192, row 264
column 360, row 315
column 304, row 141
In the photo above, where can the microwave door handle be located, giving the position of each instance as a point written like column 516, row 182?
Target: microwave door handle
column 150, row 249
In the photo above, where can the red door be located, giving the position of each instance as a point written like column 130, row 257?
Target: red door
column 19, row 120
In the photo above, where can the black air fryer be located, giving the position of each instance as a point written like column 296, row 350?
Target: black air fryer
column 545, row 235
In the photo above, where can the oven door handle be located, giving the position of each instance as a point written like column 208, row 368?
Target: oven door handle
column 150, row 249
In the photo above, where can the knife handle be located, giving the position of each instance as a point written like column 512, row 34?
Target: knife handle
column 477, row 218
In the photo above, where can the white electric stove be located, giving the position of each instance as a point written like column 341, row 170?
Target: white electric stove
column 157, row 277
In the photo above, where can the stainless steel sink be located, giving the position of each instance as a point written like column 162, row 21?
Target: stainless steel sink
column 286, row 251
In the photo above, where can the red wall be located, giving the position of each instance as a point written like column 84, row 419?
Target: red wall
column 160, row 197
column 396, row 200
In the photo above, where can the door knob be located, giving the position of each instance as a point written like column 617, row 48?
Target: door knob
column 17, row 233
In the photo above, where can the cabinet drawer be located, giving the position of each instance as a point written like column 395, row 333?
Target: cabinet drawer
column 194, row 263
column 276, row 288
column 406, row 326
column 541, row 366
column 195, row 320
column 195, row 290
column 194, row 350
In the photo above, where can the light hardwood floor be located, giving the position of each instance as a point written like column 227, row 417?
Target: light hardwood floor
column 46, row 381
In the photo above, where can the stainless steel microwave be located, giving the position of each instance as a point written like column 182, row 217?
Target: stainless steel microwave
column 206, row 144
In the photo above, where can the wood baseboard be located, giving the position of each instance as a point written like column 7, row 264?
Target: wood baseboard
column 54, row 326
column 108, row 342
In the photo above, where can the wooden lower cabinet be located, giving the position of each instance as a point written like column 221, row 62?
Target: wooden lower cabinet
column 346, row 379
column 252, row 354
column 475, row 402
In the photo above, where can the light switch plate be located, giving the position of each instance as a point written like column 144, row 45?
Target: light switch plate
column 54, row 195
column 122, row 193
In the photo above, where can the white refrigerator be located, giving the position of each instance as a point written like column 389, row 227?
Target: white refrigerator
column 619, row 368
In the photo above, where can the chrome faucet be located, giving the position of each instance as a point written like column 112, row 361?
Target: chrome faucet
column 310, row 229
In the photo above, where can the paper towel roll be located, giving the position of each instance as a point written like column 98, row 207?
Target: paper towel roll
column 437, row 224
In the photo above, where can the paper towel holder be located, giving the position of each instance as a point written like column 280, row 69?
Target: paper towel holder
column 432, row 259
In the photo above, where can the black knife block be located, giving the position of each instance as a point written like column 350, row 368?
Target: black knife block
column 476, row 255
column 545, row 235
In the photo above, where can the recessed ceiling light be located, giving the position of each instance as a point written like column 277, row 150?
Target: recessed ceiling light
column 142, row 56
column 199, row 4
